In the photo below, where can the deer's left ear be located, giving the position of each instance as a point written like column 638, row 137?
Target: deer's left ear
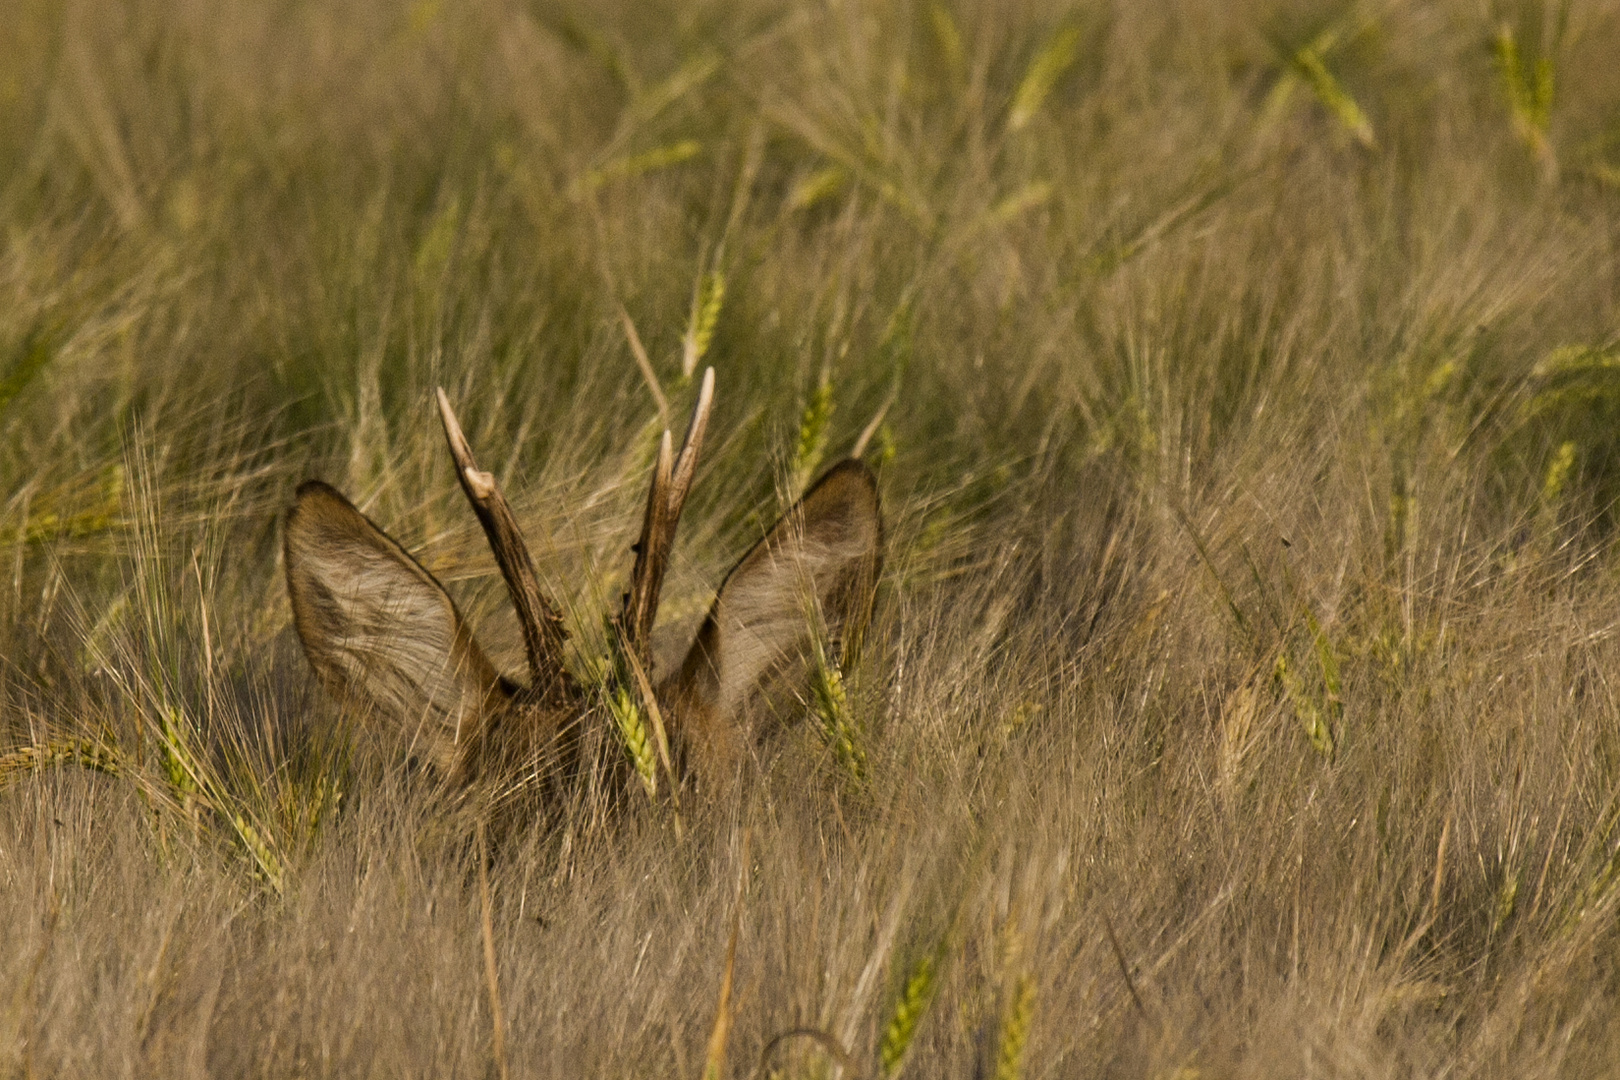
column 818, row 565
column 381, row 632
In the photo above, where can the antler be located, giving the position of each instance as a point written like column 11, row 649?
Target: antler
column 543, row 633
column 672, row 479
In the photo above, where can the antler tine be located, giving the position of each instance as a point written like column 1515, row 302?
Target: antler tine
column 686, row 464
column 666, row 495
column 543, row 633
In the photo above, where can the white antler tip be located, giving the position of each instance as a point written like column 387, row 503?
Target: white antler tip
column 480, row 483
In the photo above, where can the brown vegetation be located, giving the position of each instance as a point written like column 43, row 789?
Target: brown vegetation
column 1242, row 381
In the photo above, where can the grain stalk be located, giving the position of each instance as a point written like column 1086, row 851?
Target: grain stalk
column 1332, row 94
column 633, row 733
column 831, row 703
column 1048, row 67
column 1529, row 93
column 37, row 757
column 714, row 1060
column 814, row 424
column 1015, row 1027
column 708, row 297
column 909, row 1009
column 634, row 165
column 1308, row 65
column 649, row 702
column 492, row 980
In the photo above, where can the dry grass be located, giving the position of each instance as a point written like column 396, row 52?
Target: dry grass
column 1243, row 694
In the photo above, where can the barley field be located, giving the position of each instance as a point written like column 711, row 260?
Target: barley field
column 1243, row 384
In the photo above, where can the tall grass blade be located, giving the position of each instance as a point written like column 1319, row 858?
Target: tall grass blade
column 714, row 1060
column 492, row 981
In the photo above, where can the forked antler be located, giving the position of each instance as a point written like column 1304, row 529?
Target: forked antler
column 671, row 481
column 543, row 634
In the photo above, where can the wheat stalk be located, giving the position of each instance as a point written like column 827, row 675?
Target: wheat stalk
column 908, row 1012
column 707, row 299
column 1015, row 1025
column 814, row 423
column 1054, row 60
column 1529, row 94
column 714, row 1062
column 491, row 972
column 37, row 757
column 832, row 709
column 633, row 733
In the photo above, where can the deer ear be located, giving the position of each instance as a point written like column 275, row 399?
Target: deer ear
column 819, row 564
column 380, row 631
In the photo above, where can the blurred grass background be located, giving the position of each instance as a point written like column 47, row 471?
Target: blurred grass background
column 1242, row 700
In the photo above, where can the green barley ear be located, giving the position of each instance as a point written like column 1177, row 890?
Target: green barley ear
column 909, row 1010
column 1529, row 96
column 307, row 807
column 1558, row 470
column 174, row 749
column 819, row 185
column 1308, row 63
column 884, row 446
column 1327, row 662
column 616, row 676
column 814, row 424
column 1507, row 901
column 1316, row 717
column 633, row 731
column 1015, row 1027
column 37, row 757
column 1054, row 60
column 706, row 302
column 72, row 510
column 201, row 793
column 654, row 160
column 1020, row 716
column 263, row 855
column 832, row 710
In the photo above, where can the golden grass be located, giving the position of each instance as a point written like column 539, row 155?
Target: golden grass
column 1242, row 384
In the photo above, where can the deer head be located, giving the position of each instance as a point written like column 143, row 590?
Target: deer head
column 383, row 635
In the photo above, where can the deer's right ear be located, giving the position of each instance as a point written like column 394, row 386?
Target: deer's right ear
column 818, row 565
column 380, row 631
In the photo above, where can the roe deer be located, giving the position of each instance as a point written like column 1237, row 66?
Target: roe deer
column 381, row 632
